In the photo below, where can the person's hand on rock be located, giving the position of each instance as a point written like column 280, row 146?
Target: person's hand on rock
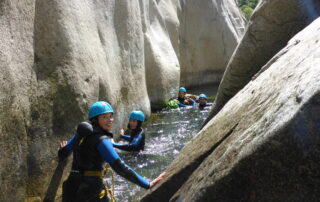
column 158, row 179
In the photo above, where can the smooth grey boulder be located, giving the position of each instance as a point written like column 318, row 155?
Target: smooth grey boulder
column 209, row 33
column 264, row 145
column 273, row 24
column 161, row 62
column 16, row 80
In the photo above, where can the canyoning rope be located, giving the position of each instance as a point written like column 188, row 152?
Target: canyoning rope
column 107, row 191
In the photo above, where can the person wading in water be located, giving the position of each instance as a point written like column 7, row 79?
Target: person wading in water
column 134, row 134
column 92, row 147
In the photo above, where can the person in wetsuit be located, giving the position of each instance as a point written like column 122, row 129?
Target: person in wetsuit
column 183, row 99
column 91, row 147
column 135, row 133
column 202, row 99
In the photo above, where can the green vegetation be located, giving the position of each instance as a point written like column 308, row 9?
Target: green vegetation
column 247, row 7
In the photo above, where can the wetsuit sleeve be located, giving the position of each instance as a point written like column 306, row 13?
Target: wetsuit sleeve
column 132, row 146
column 125, row 137
column 109, row 154
column 107, row 151
column 65, row 151
column 194, row 103
column 182, row 105
column 70, row 143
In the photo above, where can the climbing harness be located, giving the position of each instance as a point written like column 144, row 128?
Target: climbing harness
column 107, row 191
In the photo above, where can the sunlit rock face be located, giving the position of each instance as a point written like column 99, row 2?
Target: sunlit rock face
column 272, row 25
column 161, row 62
column 264, row 143
column 16, row 81
column 209, row 32
column 59, row 57
column 203, row 37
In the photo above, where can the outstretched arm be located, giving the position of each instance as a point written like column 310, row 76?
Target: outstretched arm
column 109, row 154
column 125, row 137
column 193, row 103
column 132, row 146
column 182, row 105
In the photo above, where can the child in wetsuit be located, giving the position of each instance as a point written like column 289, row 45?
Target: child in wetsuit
column 135, row 133
column 183, row 99
column 202, row 99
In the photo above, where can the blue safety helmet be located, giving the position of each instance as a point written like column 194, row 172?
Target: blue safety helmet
column 203, row 96
column 98, row 108
column 137, row 115
column 182, row 89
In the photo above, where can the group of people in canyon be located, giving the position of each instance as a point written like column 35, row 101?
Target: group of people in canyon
column 184, row 100
column 93, row 145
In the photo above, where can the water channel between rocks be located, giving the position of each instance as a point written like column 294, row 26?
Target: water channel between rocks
column 167, row 131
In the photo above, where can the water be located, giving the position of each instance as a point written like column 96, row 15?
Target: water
column 166, row 132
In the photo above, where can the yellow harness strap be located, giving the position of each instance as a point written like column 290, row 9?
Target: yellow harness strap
column 106, row 191
column 92, row 173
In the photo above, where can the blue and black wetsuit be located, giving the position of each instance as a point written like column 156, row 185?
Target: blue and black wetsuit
column 181, row 99
column 89, row 154
column 181, row 102
column 136, row 141
column 201, row 106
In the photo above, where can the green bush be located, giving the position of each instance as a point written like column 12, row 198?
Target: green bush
column 247, row 7
column 247, row 11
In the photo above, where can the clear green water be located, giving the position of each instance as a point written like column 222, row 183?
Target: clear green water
column 166, row 132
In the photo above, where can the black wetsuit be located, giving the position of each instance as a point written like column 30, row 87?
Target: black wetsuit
column 89, row 154
column 201, row 106
column 181, row 99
